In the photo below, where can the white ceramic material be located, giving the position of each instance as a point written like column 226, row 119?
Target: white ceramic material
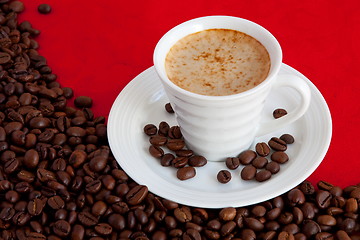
column 231, row 120
column 142, row 101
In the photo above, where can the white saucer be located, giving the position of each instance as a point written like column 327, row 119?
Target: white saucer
column 142, row 101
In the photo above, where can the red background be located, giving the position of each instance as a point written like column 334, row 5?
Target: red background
column 97, row 47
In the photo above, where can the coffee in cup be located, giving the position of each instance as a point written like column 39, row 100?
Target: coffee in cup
column 217, row 62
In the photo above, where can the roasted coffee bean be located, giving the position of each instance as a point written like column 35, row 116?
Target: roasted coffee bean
column 158, row 140
column 11, row 166
column 226, row 214
column 185, row 173
column 296, row 197
column 156, row 151
column 279, row 112
column 83, row 102
column 184, row 153
column 87, row 219
column 232, row 162
column 136, row 195
column 35, row 207
column 183, row 214
column 169, row 108
column 246, row 157
column 179, row 162
column 280, row 157
column 175, row 132
column 150, row 129
column 77, row 158
column 98, row 163
column 7, row 213
column 287, row 138
column 224, row 176
column 117, row 221
column 263, row 175
column 323, row 199
column 273, row 167
column 175, row 144
column 259, row 162
column 262, row 149
column 61, row 228
column 163, row 129
column 197, row 161
column 248, row 172
column 56, row 202
column 166, row 159
column 44, row 8
column 325, row 185
column 277, row 144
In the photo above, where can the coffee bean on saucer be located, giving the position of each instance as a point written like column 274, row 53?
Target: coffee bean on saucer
column 259, row 162
column 224, row 176
column 197, row 161
column 163, row 128
column 277, row 144
column 247, row 156
column 44, row 8
column 184, row 153
column 273, row 167
column 167, row 159
column 175, row 132
column 232, row 162
column 279, row 157
column 175, row 144
column 263, row 175
column 186, row 173
column 289, row 139
column 158, row 140
column 248, row 172
column 179, row 162
column 156, row 151
column 150, row 129
column 169, row 108
column 262, row 149
column 279, row 112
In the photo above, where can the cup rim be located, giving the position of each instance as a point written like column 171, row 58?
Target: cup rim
column 164, row 78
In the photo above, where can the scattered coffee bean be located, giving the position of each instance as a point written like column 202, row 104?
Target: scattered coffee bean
column 197, row 161
column 277, row 144
column 232, row 162
column 273, row 167
column 287, row 138
column 44, row 8
column 186, row 173
column 247, row 156
column 248, row 172
column 279, row 112
column 262, row 149
column 150, row 129
column 263, row 175
column 279, row 157
column 224, row 176
column 169, row 108
column 259, row 162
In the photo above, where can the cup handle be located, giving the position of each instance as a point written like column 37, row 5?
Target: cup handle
column 287, row 80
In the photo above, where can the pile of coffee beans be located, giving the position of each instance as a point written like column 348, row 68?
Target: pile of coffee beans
column 59, row 180
column 170, row 137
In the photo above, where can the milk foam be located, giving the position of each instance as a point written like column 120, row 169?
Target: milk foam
column 217, row 62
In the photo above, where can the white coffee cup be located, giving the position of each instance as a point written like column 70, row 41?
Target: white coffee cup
column 218, row 127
